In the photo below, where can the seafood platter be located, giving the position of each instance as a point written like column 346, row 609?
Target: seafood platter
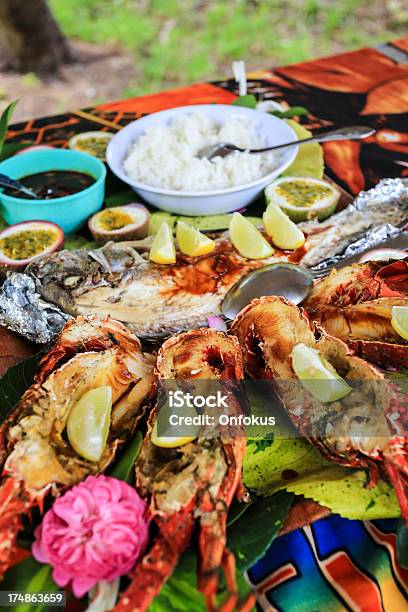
column 130, row 299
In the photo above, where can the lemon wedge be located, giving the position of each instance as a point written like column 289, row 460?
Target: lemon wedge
column 174, row 433
column 284, row 233
column 163, row 250
column 191, row 241
column 88, row 423
column 399, row 320
column 170, row 441
column 317, row 375
column 248, row 241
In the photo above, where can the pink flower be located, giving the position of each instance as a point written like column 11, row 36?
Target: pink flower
column 96, row 531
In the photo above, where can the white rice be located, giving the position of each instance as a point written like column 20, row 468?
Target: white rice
column 164, row 156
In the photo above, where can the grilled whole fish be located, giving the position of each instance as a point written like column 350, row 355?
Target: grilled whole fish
column 152, row 300
column 155, row 301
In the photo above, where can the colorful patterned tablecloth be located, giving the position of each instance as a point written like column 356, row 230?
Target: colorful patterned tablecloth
column 364, row 86
column 333, row 564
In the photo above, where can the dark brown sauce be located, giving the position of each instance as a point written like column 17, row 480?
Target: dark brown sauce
column 207, row 274
column 53, row 184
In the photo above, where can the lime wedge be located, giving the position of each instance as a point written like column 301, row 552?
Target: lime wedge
column 317, row 375
column 284, row 233
column 248, row 241
column 163, row 250
column 88, row 423
column 191, row 241
column 399, row 320
column 309, row 161
column 303, row 198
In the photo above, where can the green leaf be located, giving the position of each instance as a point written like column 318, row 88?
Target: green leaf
column 180, row 593
column 3, row 224
column 263, row 443
column 294, row 465
column 4, row 121
column 73, row 243
column 120, row 199
column 15, row 382
column 402, row 544
column 249, row 101
column 236, row 510
column 10, row 148
column 294, row 111
column 124, row 468
column 309, row 160
column 399, row 378
column 30, row 576
column 250, row 537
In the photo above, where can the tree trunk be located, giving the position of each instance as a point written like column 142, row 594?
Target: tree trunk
column 30, row 39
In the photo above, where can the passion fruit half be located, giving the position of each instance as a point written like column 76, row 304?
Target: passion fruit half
column 130, row 222
column 23, row 242
column 303, row 198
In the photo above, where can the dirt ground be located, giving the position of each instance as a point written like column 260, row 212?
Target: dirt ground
column 101, row 76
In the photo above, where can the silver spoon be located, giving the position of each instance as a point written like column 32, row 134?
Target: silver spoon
column 354, row 132
column 291, row 281
column 7, row 182
column 288, row 280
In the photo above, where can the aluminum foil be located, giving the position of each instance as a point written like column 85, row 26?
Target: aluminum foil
column 373, row 238
column 23, row 311
column 375, row 216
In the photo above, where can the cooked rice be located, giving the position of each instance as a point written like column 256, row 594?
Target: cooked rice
column 164, row 156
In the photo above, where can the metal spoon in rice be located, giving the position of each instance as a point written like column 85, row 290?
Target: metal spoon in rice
column 222, row 149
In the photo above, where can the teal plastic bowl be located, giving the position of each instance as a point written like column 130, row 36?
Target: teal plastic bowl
column 69, row 212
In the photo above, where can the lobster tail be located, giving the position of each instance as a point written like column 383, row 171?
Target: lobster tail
column 195, row 479
column 368, row 426
column 35, row 455
column 396, row 465
column 13, row 505
column 153, row 570
column 355, row 305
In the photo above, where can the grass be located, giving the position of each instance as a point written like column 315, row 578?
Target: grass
column 175, row 42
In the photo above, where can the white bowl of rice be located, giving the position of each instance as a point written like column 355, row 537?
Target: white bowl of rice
column 157, row 156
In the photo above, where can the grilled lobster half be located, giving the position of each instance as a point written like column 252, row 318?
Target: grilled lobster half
column 367, row 428
column 36, row 457
column 355, row 305
column 193, row 483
